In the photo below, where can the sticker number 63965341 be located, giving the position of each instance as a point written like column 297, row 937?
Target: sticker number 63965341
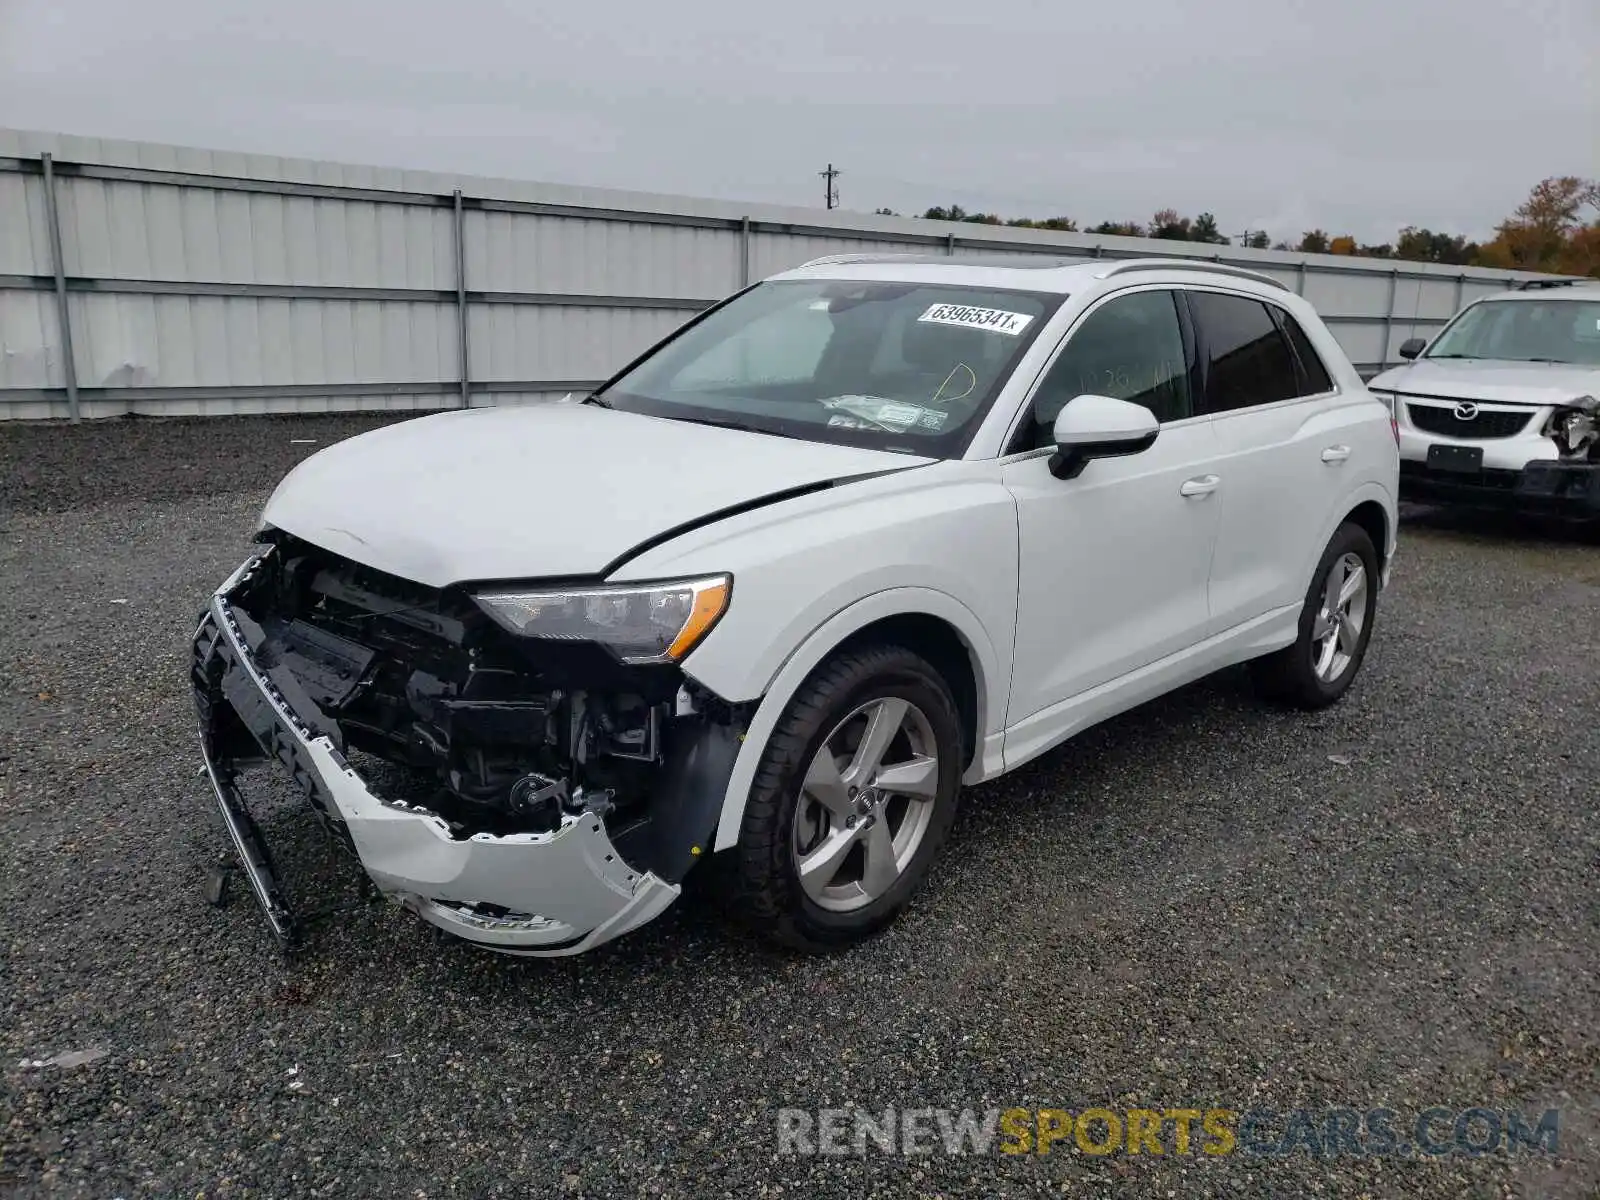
column 995, row 320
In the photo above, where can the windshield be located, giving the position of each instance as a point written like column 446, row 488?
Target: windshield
column 893, row 366
column 1563, row 331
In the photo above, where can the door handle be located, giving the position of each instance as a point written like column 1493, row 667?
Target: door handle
column 1201, row 485
column 1335, row 454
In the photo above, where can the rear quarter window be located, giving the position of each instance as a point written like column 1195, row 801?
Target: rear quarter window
column 1313, row 369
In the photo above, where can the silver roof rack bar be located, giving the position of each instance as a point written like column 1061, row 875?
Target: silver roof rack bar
column 1190, row 264
column 836, row 260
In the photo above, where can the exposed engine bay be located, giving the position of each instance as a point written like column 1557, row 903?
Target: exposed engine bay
column 1575, row 429
column 493, row 733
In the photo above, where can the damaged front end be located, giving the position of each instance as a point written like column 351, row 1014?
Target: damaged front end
column 1575, row 429
column 533, row 794
column 1570, row 483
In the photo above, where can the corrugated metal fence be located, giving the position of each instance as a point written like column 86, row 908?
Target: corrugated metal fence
column 138, row 278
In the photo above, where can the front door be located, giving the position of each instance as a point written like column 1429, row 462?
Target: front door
column 1114, row 564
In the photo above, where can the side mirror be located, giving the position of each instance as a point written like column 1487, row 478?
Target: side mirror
column 1091, row 427
column 1412, row 347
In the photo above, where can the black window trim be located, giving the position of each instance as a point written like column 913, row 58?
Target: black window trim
column 1191, row 349
column 1280, row 315
column 1203, row 355
column 1023, row 417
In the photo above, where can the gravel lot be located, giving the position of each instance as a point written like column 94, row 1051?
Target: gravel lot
column 1204, row 903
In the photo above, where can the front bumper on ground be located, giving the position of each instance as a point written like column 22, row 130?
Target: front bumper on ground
column 532, row 893
column 1551, row 487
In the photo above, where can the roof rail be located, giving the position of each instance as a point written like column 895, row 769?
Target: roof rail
column 835, row 260
column 1190, row 264
column 1529, row 285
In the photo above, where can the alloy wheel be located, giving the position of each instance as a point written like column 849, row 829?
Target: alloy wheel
column 866, row 804
column 1336, row 631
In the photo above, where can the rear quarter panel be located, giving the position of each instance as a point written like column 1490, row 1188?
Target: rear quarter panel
column 1375, row 462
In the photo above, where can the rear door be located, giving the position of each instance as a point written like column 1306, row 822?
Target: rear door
column 1283, row 437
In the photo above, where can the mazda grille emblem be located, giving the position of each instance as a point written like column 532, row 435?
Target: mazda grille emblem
column 1466, row 411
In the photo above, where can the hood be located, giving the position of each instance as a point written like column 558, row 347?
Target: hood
column 1490, row 379
column 549, row 490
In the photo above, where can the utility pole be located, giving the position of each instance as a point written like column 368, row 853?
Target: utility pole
column 832, row 193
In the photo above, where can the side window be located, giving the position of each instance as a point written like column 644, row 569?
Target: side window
column 1250, row 362
column 1313, row 374
column 1130, row 348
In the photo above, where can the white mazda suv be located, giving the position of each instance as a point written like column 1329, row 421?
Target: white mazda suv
column 1502, row 409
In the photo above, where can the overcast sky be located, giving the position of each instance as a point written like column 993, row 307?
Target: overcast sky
column 1351, row 115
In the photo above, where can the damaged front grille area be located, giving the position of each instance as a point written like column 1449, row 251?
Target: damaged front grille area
column 532, row 796
column 238, row 723
column 493, row 733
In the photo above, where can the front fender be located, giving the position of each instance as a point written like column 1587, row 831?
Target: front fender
column 992, row 679
column 938, row 541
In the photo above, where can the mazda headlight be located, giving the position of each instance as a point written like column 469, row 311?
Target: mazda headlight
column 1386, row 398
column 639, row 623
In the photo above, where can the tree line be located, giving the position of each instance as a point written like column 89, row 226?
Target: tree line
column 1556, row 229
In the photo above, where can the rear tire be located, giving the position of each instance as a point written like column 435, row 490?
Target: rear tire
column 1335, row 627
column 852, row 800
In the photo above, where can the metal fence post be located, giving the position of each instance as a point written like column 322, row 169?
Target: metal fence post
column 69, row 366
column 1300, row 278
column 461, row 300
column 950, row 244
column 1461, row 290
column 744, row 252
column 1388, row 316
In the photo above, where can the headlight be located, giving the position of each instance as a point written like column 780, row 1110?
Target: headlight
column 639, row 623
column 1387, row 399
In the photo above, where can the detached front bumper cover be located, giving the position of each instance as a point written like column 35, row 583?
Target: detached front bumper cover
column 554, row 893
column 1551, row 487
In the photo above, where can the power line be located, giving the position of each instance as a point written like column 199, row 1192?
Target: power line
column 832, row 193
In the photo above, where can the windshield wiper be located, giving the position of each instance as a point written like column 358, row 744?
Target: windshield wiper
column 596, row 399
column 1453, row 356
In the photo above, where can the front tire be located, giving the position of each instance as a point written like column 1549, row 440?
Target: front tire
column 853, row 798
column 1335, row 627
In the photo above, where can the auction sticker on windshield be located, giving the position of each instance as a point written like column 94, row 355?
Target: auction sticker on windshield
column 995, row 320
column 875, row 410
